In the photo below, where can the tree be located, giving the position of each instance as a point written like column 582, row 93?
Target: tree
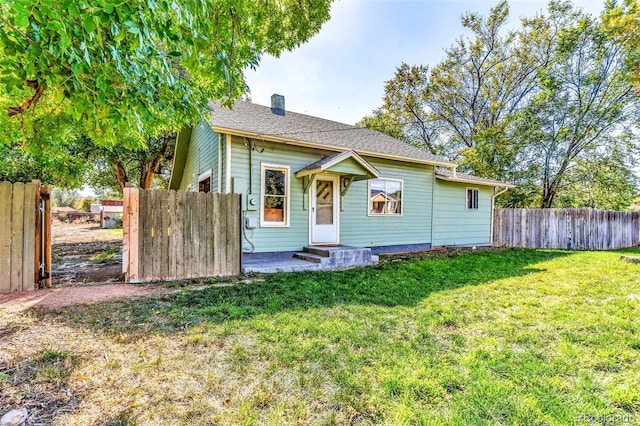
column 150, row 66
column 622, row 21
column 115, row 166
column 482, row 80
column 404, row 114
column 65, row 198
column 56, row 152
column 583, row 103
column 605, row 184
column 533, row 106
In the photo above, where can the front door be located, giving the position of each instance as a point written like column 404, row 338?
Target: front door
column 324, row 210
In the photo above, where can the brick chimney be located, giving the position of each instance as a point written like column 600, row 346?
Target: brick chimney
column 277, row 104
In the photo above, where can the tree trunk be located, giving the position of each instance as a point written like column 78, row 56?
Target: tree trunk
column 121, row 174
column 146, row 175
column 547, row 199
column 149, row 169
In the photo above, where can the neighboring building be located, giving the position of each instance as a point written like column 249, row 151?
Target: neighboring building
column 309, row 181
column 111, row 213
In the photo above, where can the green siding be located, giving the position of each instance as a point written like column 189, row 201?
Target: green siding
column 447, row 222
column 202, row 156
column 348, row 166
column 356, row 227
column 453, row 224
column 413, row 227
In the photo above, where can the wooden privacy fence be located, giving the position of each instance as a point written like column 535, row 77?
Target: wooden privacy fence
column 583, row 229
column 171, row 235
column 25, row 236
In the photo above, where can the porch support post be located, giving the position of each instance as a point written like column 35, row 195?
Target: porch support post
column 306, row 183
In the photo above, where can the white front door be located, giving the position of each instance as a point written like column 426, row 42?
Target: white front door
column 324, row 210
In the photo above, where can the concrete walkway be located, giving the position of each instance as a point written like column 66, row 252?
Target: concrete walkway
column 270, row 263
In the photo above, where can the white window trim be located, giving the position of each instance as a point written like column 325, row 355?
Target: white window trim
column 287, row 191
column 466, row 199
column 369, row 205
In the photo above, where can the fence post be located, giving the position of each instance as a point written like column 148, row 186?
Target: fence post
column 6, row 190
column 45, row 193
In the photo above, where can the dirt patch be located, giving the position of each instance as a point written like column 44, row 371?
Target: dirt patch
column 53, row 298
column 84, row 253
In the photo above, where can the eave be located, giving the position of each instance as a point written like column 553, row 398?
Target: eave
column 306, row 144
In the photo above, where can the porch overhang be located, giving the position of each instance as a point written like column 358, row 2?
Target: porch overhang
column 347, row 164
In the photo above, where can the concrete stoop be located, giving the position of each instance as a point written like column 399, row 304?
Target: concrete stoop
column 315, row 258
column 337, row 257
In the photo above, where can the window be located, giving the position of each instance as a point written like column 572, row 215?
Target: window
column 472, row 199
column 204, row 182
column 385, row 197
column 205, row 185
column 275, row 196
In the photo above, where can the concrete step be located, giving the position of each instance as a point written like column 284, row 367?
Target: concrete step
column 341, row 256
column 309, row 257
column 317, row 250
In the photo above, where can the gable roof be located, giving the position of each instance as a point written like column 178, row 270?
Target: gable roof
column 451, row 176
column 257, row 121
column 330, row 161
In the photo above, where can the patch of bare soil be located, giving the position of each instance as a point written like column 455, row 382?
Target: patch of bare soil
column 83, row 253
column 54, row 298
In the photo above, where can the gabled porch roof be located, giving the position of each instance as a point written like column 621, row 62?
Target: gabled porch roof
column 344, row 163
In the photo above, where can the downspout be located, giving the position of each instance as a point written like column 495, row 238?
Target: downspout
column 493, row 202
column 250, row 169
column 219, row 163
column 246, row 195
column 433, row 198
column 228, row 164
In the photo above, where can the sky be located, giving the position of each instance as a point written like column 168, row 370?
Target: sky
column 340, row 73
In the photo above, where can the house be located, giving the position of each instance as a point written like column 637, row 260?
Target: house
column 309, row 182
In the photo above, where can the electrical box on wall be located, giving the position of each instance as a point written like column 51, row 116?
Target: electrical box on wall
column 252, row 202
column 251, row 222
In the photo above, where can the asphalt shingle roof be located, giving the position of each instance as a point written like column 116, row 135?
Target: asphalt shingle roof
column 263, row 121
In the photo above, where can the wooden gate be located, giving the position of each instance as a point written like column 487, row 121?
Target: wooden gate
column 25, row 236
column 172, row 235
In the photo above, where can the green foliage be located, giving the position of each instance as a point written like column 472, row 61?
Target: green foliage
column 143, row 166
column 65, row 198
column 56, row 151
column 146, row 66
column 582, row 107
column 105, row 256
column 604, row 184
column 622, row 22
column 85, row 204
column 533, row 107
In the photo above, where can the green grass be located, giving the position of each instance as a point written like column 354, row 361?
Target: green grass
column 510, row 337
column 105, row 256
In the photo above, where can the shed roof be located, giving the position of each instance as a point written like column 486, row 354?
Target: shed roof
column 450, row 175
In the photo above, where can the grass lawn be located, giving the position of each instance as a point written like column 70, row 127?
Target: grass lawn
column 484, row 337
